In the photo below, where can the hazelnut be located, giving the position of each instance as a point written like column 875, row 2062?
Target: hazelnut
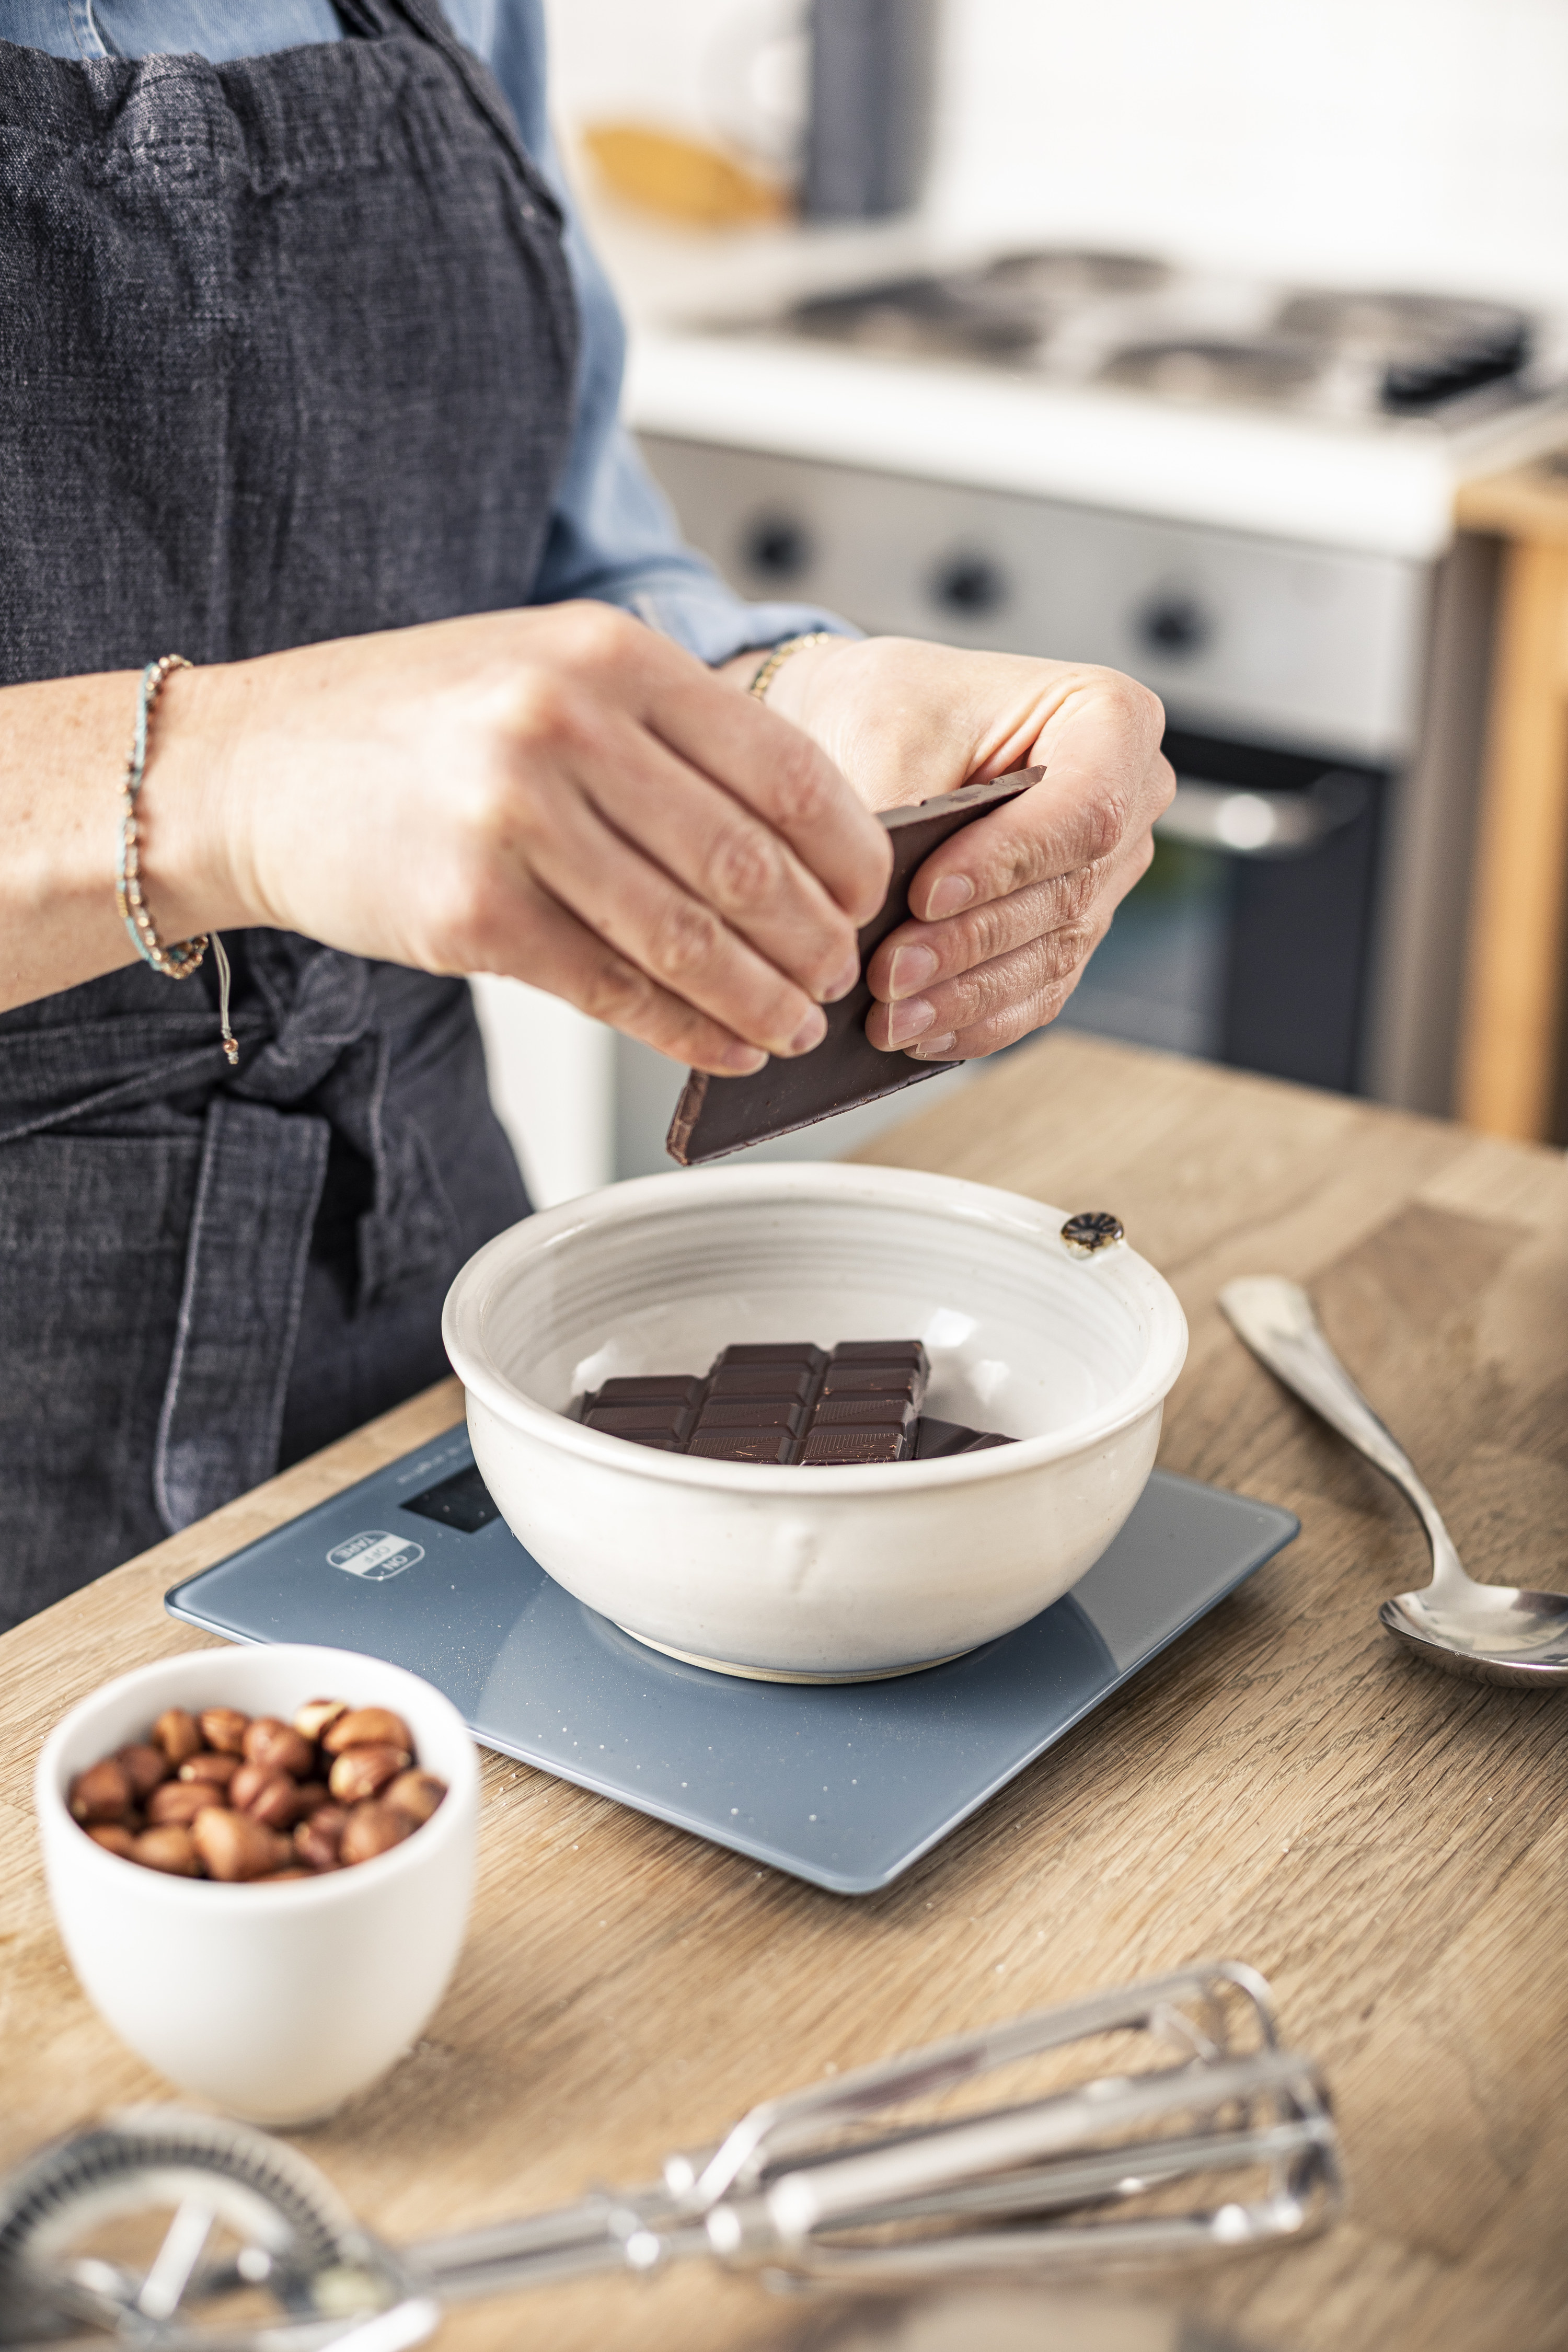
column 278, row 1746
column 233, row 1846
column 223, row 1727
column 247, row 1783
column 366, row 1727
column 176, row 1733
column 114, row 1838
column 180, row 1802
column 171, row 1849
column 281, row 1803
column 416, row 1793
column 274, row 1877
column 316, row 1840
column 359, row 1772
column 316, row 1714
column 146, row 1765
column 315, row 1795
column 217, row 1770
column 103, row 1792
column 372, row 1829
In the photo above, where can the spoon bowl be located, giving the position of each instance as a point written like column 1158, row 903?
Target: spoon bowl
column 1512, row 1635
column 1491, row 1632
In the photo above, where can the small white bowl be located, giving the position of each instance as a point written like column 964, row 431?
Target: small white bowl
column 818, row 1574
column 278, row 2002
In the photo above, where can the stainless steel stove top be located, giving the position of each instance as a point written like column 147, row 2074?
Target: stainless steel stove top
column 1132, row 321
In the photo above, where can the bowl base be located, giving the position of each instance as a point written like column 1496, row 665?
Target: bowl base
column 778, row 1674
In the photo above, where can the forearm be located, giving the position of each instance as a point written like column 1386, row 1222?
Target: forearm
column 63, row 747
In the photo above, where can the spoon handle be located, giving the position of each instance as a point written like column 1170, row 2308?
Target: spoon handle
column 1276, row 1319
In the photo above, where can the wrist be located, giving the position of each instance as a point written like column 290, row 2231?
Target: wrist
column 191, row 871
column 793, row 690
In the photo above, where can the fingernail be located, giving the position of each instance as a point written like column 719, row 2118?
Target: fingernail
column 933, row 1049
column 745, row 1060
column 913, row 967
column 845, row 982
column 909, row 1019
column 953, row 891
column 812, row 1032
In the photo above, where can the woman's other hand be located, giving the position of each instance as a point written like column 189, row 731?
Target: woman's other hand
column 561, row 795
column 1009, row 911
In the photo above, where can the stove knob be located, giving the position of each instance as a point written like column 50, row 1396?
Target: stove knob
column 970, row 585
column 1174, row 626
column 777, row 547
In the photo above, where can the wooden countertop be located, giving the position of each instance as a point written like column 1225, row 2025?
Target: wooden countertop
column 1285, row 1786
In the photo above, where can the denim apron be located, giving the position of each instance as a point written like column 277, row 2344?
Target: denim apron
column 287, row 352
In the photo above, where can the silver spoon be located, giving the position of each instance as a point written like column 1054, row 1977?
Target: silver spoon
column 1493, row 1632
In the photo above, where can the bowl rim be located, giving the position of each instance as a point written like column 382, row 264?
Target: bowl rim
column 51, row 1782
column 462, row 1328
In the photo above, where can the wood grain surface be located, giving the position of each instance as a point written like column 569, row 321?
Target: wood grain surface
column 1284, row 1786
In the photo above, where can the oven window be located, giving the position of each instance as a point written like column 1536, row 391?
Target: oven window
column 1158, row 977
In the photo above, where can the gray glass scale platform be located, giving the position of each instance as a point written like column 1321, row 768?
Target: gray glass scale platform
column 844, row 1784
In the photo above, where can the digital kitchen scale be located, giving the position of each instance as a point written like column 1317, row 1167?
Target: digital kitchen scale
column 844, row 1784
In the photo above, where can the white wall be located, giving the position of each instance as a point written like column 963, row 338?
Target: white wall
column 1418, row 141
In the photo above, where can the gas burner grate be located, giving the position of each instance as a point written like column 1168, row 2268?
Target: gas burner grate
column 1191, row 369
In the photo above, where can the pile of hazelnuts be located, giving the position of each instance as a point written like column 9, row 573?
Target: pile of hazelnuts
column 251, row 1798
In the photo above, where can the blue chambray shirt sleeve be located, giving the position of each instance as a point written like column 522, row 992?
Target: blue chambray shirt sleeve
column 613, row 535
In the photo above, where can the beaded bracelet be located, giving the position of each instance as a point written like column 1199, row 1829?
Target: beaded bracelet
column 781, row 654
column 177, row 963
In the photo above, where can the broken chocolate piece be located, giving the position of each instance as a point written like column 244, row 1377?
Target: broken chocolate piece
column 715, row 1115
column 788, row 1402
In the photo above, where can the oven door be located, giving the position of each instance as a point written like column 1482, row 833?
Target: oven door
column 1248, row 940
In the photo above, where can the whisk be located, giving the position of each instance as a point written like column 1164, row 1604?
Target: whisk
column 1207, row 2137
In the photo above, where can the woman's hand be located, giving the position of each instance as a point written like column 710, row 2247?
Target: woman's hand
column 558, row 795
column 1009, row 911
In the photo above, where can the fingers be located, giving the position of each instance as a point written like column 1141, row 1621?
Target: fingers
column 555, row 951
column 779, row 773
column 725, row 857
column 1106, row 782
column 984, row 980
column 671, row 936
column 918, row 956
column 992, row 1006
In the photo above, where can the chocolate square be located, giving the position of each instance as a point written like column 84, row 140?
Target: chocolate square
column 650, row 1388
column 842, row 1448
column 772, row 1351
column 751, row 1412
column 873, row 1380
column 864, row 1412
column 910, row 1352
column 764, row 1380
column 742, row 1445
column 671, row 1420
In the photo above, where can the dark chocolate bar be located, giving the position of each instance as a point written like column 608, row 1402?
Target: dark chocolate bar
column 789, row 1403
column 715, row 1115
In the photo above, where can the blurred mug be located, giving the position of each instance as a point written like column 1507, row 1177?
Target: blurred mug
column 872, row 70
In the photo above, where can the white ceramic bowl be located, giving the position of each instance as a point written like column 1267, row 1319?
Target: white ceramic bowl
column 835, row 1574
column 279, row 2003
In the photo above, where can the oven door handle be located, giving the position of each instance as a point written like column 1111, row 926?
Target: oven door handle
column 1243, row 823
